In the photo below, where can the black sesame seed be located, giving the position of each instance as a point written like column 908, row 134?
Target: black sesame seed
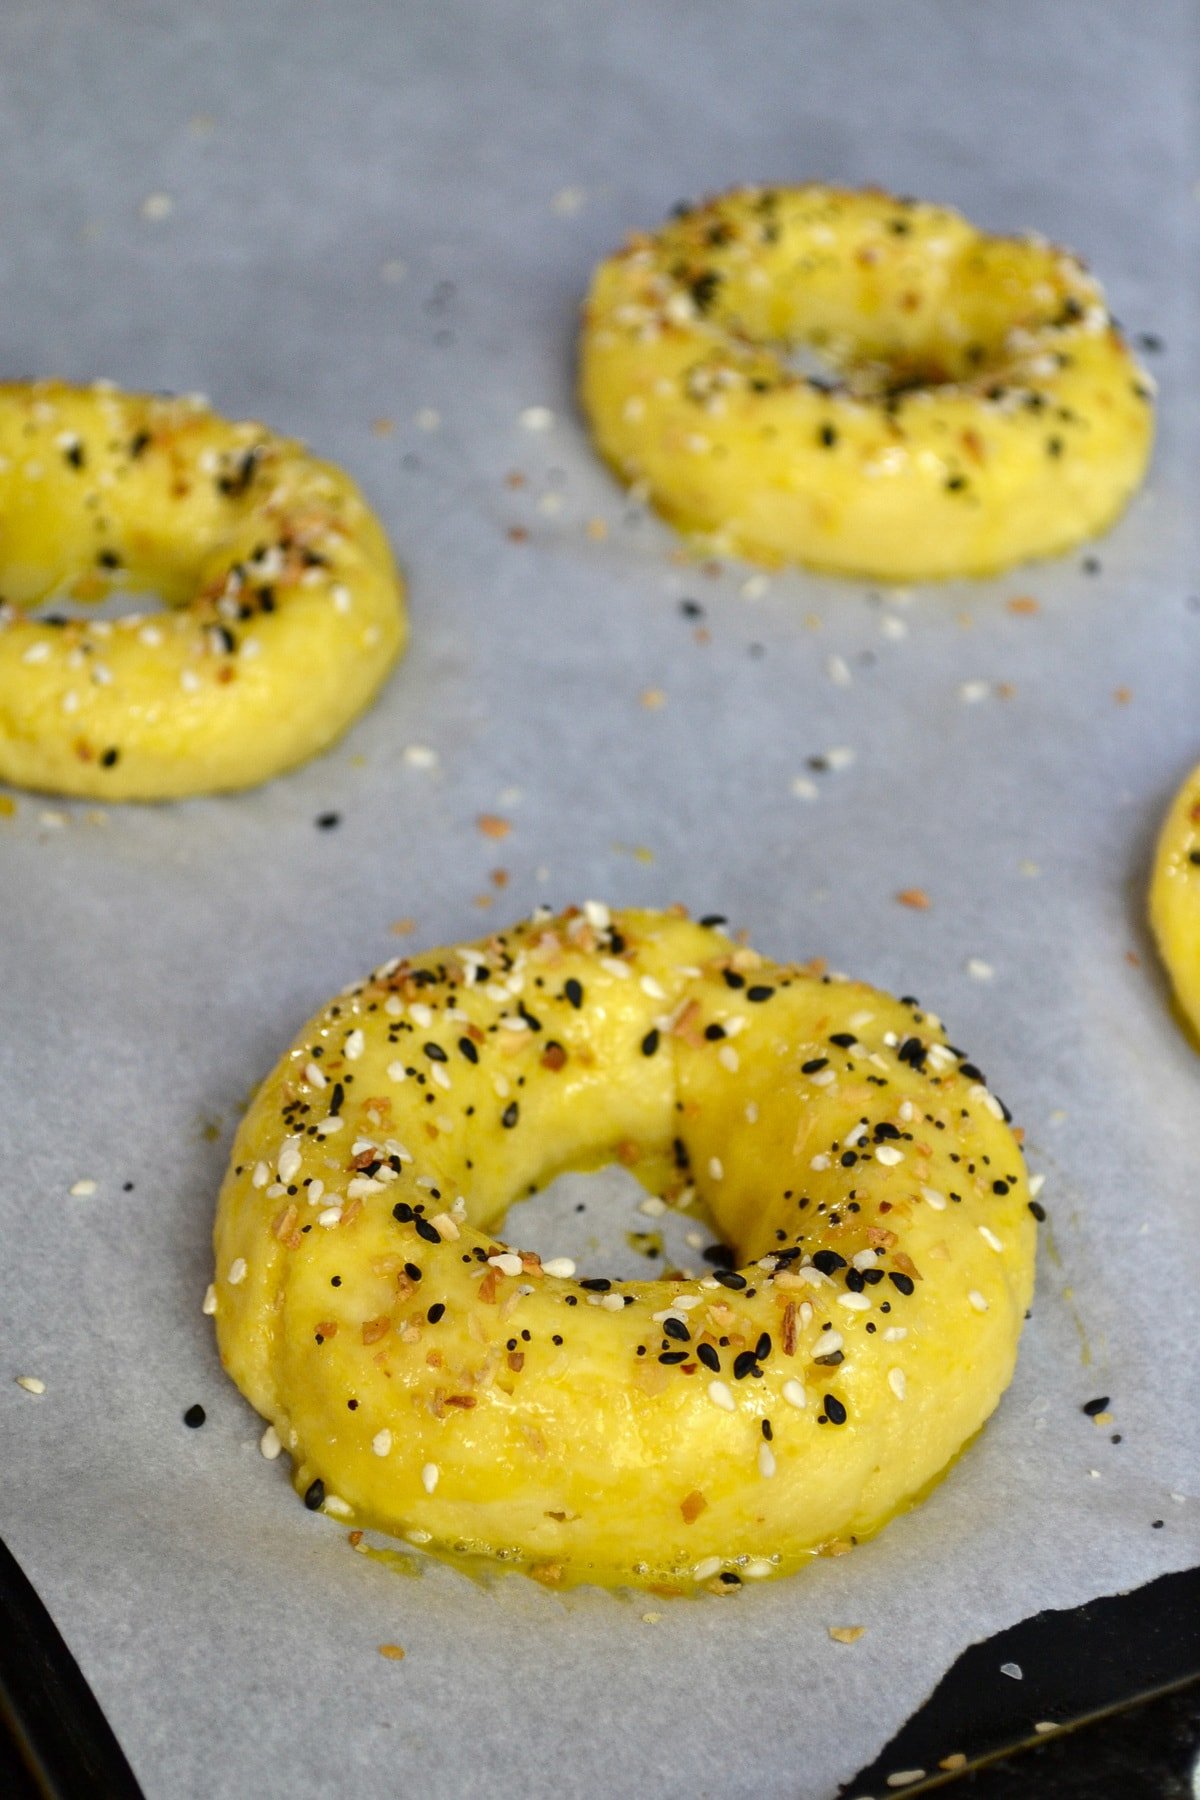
column 650, row 1043
column 1038, row 1211
column 436, row 1312
column 763, row 1347
column 759, row 993
column 109, row 758
column 402, row 1212
column 337, row 1097
column 1092, row 1407
column 835, row 1412
column 574, row 992
column 711, row 920
column 814, row 1063
column 468, row 1049
column 843, row 1039
column 729, row 1278
column 429, row 1232
column 709, row 1357
column 673, row 1356
column 767, row 1431
column 675, row 1328
column 194, row 1417
column 596, row 1284
column 314, row 1495
column 733, row 979
column 827, row 1261
column 905, row 1283
column 435, row 1053
column 508, row 1117
column 745, row 1363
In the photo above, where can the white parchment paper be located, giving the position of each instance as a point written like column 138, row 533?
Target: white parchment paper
column 371, row 224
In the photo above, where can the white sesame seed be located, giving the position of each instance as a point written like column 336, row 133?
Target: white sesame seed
column 854, row 1302
column 37, row 653
column 830, row 1342
column 33, row 1384
column 189, row 681
column 721, row 1395
column 428, row 419
column 838, row 670
column 794, row 1394
column 823, row 1078
column 438, row 1074
column 977, row 1300
column 289, row 1160
column 609, row 1302
column 979, row 970
column 327, row 1127
column 333, row 1503
column 420, row 756
column 704, row 1571
column 819, row 1162
column 330, row 1216
column 897, row 1383
column 904, row 1777
column 208, row 1305
column 536, row 418
column 990, row 1238
column 804, row 789
column 613, row 966
column 933, row 1198
column 1013, row 1670
column 237, row 1271
column 716, row 1168
column 260, row 1176
column 766, row 1461
column 597, row 915
column 83, row 1190
column 972, row 692
column 840, row 757
column 381, row 1443
column 895, row 1334
column 892, row 627
column 751, row 1112
column 420, row 1014
column 359, row 1186
column 341, row 598
column 888, row 1155
column 156, row 207
column 429, row 1477
column 561, row 1267
column 655, row 989
column 1036, row 1184
column 354, row 1046
column 508, row 1262
column 727, row 1056
column 396, row 1072
column 653, row 1207
column 313, row 1075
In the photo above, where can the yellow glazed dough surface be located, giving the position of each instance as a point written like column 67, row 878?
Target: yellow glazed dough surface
column 979, row 406
column 434, row 1381
column 285, row 611
column 1175, row 897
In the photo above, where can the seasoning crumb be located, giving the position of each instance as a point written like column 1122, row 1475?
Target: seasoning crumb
column 392, row 1652
column 83, row 1190
column 846, row 1634
column 651, row 1618
column 567, row 202
column 1024, row 605
column 402, row 927
column 493, row 826
column 597, row 530
column 1013, row 1670
column 1123, row 695
column 653, row 699
column 33, row 1384
column 420, row 756
column 157, row 207
column 916, row 898
column 956, row 1760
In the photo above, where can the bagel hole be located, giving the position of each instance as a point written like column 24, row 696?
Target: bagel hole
column 116, row 603
column 596, row 1220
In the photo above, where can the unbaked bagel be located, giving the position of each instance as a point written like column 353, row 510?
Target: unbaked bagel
column 1175, row 898
column 284, row 609
column 433, row 1380
column 979, row 406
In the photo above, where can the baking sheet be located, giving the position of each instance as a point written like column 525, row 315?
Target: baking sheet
column 371, row 224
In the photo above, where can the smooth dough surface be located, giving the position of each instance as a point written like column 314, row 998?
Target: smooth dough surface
column 1175, row 898
column 977, row 405
column 436, row 1382
column 284, row 608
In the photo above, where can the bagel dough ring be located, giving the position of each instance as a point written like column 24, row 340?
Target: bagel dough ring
column 979, row 405
column 1175, row 898
column 435, row 1382
column 284, row 609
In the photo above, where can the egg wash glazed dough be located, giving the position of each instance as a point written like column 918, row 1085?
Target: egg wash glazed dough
column 977, row 407
column 435, row 1381
column 284, row 611
column 1175, row 898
